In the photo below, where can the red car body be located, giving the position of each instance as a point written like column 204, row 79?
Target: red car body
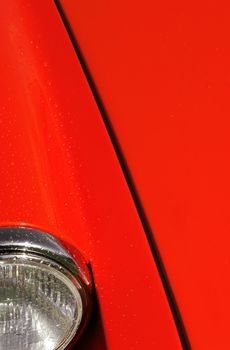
column 156, row 235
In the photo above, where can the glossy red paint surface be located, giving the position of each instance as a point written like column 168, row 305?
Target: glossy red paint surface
column 59, row 173
column 162, row 71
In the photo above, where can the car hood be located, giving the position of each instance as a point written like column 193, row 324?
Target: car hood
column 162, row 73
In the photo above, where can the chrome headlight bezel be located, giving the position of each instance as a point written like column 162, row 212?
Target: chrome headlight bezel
column 21, row 245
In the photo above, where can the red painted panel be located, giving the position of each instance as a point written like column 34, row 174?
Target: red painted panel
column 162, row 70
column 59, row 173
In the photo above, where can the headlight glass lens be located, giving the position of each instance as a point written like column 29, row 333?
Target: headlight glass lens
column 40, row 304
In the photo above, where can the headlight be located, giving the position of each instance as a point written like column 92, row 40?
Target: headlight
column 44, row 294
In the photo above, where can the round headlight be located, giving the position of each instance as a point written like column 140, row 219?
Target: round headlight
column 42, row 302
